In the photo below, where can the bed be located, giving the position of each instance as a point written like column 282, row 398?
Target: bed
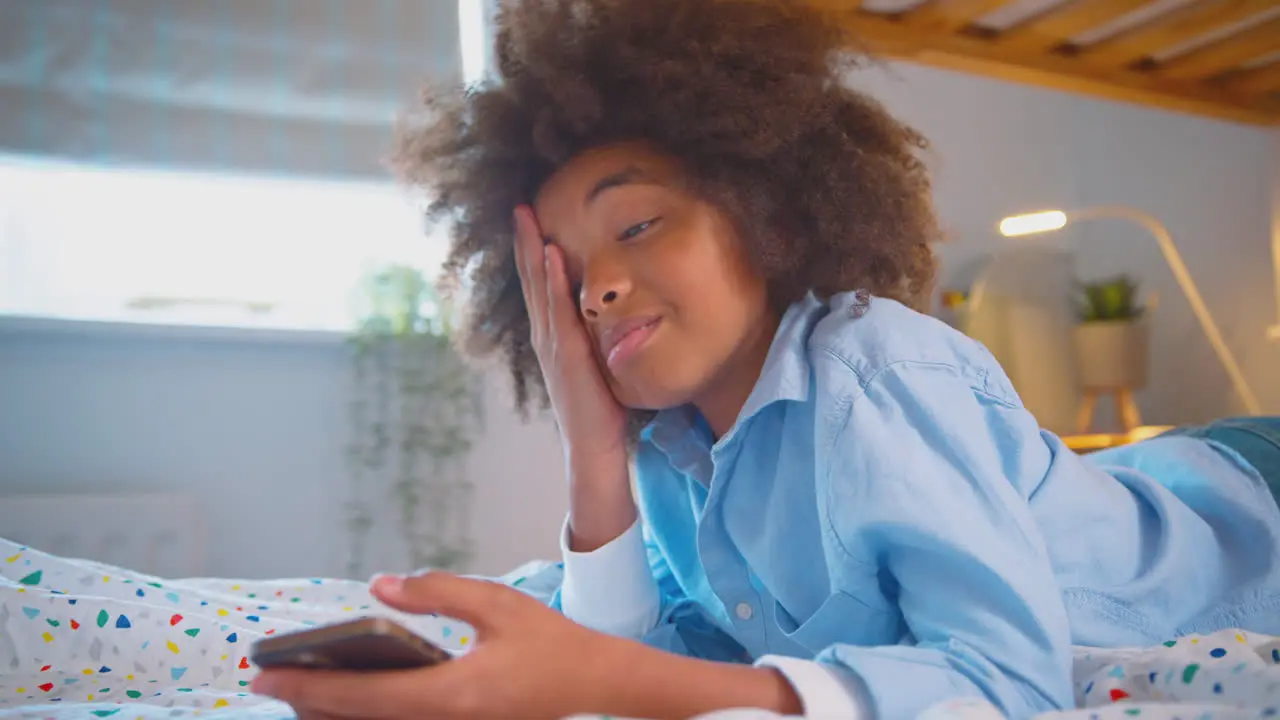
column 82, row 639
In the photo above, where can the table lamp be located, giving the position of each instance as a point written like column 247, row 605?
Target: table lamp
column 1050, row 220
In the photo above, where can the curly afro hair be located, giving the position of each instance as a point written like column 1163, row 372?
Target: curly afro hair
column 825, row 188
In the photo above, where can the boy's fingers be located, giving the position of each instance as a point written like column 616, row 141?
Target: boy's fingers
column 518, row 247
column 529, row 258
column 317, row 694
column 481, row 604
column 562, row 311
column 533, row 277
column 333, row 694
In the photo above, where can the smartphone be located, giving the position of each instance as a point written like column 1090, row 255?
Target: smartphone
column 364, row 644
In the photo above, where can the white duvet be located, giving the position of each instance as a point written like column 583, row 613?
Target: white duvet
column 83, row 640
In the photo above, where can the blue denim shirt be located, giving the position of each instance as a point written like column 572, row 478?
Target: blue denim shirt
column 886, row 508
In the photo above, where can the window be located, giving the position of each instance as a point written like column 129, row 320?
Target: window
column 88, row 242
column 92, row 243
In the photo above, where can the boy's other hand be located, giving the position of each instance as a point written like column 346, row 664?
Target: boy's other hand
column 528, row 662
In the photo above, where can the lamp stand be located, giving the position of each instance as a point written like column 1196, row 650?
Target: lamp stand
column 1126, row 408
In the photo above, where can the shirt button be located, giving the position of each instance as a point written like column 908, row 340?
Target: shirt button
column 744, row 611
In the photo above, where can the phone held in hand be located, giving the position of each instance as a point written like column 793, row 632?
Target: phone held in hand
column 365, row 644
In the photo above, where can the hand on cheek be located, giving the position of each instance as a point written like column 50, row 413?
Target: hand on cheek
column 591, row 421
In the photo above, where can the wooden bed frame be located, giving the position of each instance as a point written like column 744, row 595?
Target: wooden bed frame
column 1219, row 58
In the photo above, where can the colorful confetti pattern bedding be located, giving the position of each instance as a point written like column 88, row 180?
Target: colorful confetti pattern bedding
column 83, row 640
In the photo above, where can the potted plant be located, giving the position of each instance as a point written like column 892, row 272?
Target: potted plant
column 413, row 412
column 1112, row 337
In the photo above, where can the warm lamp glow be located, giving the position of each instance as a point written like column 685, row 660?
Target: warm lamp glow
column 1031, row 223
column 1047, row 220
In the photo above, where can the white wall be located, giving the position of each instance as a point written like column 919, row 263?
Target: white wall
column 1001, row 149
column 255, row 428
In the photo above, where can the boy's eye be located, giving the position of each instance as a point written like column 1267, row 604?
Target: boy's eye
column 636, row 229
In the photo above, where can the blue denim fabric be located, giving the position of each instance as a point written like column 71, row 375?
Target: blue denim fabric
column 1255, row 439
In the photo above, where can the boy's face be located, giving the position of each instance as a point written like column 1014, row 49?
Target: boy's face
column 666, row 290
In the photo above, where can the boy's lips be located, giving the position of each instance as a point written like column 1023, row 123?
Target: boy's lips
column 623, row 339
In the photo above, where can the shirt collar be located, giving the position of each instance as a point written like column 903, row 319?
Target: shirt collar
column 784, row 377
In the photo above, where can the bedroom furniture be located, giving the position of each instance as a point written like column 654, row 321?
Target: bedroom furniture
column 1112, row 341
column 1216, row 58
column 1090, row 442
column 1050, row 220
column 1018, row 307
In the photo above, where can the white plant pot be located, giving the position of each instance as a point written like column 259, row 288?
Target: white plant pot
column 1112, row 354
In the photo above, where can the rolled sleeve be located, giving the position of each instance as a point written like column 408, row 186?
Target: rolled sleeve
column 824, row 691
column 610, row 589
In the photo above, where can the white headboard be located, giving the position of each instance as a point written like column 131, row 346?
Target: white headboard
column 158, row 534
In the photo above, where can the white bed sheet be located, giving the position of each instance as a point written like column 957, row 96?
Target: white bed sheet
column 85, row 640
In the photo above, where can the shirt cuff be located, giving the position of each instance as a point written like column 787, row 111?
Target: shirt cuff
column 822, row 691
column 611, row 588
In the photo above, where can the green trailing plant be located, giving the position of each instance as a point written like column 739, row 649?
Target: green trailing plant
column 414, row 411
column 1113, row 298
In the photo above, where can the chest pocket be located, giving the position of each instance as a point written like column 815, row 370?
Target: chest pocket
column 841, row 618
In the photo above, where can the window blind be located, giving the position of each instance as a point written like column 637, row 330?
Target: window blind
column 308, row 87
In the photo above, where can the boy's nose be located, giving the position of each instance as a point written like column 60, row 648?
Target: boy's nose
column 600, row 293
